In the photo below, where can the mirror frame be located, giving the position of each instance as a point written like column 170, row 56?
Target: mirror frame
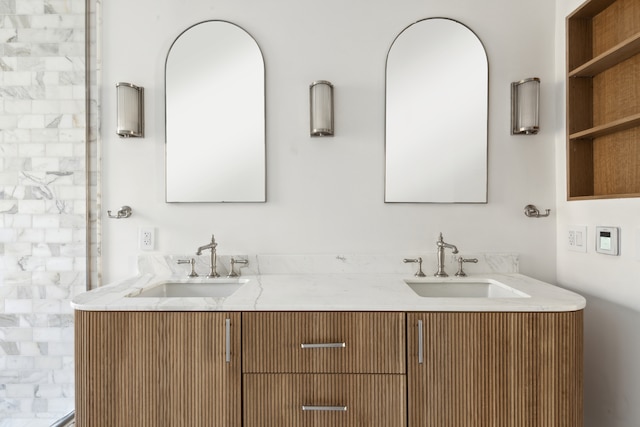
column 264, row 118
column 486, row 128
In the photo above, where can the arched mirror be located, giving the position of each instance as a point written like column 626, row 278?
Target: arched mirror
column 215, row 116
column 437, row 81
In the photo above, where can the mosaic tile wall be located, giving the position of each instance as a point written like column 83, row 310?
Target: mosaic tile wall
column 42, row 204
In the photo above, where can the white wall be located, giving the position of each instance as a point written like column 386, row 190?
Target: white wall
column 325, row 195
column 610, row 284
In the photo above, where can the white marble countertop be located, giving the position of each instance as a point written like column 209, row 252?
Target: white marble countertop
column 329, row 292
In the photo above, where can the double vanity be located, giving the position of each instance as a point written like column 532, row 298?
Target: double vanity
column 329, row 341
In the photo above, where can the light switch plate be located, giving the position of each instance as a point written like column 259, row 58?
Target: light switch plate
column 637, row 244
column 577, row 238
column 608, row 240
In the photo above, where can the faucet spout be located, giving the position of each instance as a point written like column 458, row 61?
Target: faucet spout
column 212, row 246
column 442, row 245
column 454, row 249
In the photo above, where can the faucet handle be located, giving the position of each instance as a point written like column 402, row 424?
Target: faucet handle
column 461, row 260
column 419, row 273
column 191, row 261
column 232, row 272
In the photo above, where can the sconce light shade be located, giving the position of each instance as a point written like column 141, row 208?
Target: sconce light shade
column 130, row 110
column 321, row 103
column 525, row 104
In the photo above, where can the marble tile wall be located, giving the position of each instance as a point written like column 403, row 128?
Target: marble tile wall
column 43, row 204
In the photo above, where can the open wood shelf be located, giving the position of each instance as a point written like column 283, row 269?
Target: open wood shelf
column 613, row 56
column 607, row 196
column 608, row 128
column 603, row 100
column 590, row 8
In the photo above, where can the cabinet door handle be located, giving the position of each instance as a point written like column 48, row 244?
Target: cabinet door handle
column 420, row 343
column 324, row 408
column 325, row 345
column 227, row 327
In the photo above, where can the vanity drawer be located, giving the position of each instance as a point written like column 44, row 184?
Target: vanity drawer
column 336, row 400
column 324, row 342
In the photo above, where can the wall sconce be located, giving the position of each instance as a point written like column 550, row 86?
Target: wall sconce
column 525, row 104
column 321, row 103
column 130, row 110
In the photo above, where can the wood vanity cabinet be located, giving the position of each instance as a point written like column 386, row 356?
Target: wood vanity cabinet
column 334, row 369
column 157, row 369
column 495, row 369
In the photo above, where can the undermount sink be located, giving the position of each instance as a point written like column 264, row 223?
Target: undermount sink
column 463, row 288
column 208, row 288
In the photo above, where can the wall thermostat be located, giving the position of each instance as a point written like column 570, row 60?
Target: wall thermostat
column 607, row 240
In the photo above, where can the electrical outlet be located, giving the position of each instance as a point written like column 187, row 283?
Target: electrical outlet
column 577, row 238
column 146, row 238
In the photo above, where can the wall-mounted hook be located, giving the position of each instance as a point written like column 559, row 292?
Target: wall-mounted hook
column 532, row 212
column 123, row 212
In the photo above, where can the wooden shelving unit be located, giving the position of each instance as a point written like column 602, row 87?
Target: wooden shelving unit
column 603, row 100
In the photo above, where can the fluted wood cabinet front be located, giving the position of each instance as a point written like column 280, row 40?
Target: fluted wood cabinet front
column 495, row 369
column 322, row 400
column 157, row 369
column 319, row 369
column 373, row 342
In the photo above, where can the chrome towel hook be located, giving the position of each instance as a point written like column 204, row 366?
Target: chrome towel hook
column 123, row 212
column 532, row 212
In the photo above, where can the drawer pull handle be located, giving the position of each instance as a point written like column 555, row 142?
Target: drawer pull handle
column 325, row 345
column 420, row 343
column 324, row 408
column 227, row 327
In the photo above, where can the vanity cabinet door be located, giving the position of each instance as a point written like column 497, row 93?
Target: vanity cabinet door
column 495, row 369
column 324, row 342
column 322, row 400
column 157, row 369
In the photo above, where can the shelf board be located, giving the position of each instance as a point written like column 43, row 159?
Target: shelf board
column 591, row 8
column 609, row 128
column 604, row 196
column 617, row 54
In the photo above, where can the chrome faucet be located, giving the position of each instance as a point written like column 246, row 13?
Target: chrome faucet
column 212, row 272
column 462, row 260
column 191, row 262
column 441, row 247
column 232, row 271
column 419, row 273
